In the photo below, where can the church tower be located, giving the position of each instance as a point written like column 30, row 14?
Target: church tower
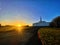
column 40, row 19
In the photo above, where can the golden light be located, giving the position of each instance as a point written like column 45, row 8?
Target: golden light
column 19, row 25
column 19, row 28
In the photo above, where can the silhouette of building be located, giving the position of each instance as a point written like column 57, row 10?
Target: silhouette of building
column 41, row 23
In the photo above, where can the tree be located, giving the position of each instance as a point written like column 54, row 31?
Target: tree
column 0, row 25
column 55, row 22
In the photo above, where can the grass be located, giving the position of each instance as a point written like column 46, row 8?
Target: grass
column 50, row 36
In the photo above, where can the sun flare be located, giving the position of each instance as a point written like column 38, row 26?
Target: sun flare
column 19, row 28
column 19, row 25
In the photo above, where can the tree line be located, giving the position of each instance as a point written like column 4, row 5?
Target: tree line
column 55, row 22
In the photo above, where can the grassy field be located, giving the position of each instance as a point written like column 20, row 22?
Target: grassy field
column 50, row 36
column 18, row 35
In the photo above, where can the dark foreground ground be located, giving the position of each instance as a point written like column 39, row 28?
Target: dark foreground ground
column 19, row 36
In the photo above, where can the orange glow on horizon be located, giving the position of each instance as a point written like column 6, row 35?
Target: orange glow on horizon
column 14, row 23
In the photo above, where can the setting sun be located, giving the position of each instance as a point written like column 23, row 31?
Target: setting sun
column 18, row 25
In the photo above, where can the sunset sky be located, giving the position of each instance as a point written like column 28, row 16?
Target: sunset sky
column 28, row 11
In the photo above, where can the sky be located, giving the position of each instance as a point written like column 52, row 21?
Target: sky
column 28, row 11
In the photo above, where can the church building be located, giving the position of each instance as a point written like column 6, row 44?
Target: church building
column 41, row 23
